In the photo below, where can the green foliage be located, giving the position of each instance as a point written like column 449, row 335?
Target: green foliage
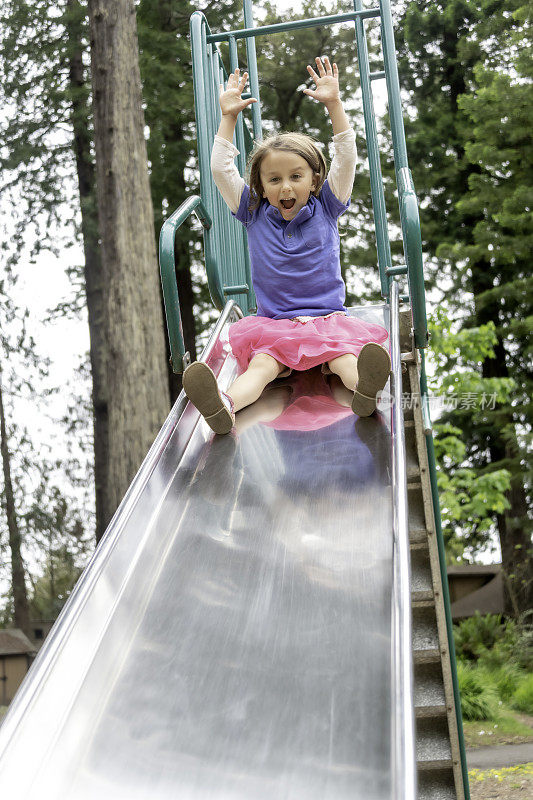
column 466, row 65
column 478, row 700
column 501, row 648
column 470, row 498
column 506, row 680
column 476, row 635
column 53, row 587
column 37, row 159
column 522, row 699
column 523, row 651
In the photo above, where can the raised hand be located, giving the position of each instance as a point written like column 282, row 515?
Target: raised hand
column 327, row 82
column 231, row 102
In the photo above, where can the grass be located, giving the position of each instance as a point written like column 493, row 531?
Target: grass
column 508, row 783
column 508, row 727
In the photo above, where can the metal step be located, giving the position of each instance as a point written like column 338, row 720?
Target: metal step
column 411, row 453
column 417, row 520
column 433, row 744
column 436, row 758
column 436, row 785
column 425, row 635
column 421, row 582
column 430, row 700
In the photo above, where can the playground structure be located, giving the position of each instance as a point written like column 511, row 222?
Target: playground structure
column 266, row 652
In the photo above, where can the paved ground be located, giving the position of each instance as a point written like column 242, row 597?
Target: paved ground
column 501, row 755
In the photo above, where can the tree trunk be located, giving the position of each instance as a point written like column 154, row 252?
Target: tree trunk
column 93, row 266
column 20, row 596
column 137, row 385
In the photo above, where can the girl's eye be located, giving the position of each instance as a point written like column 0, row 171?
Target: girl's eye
column 296, row 176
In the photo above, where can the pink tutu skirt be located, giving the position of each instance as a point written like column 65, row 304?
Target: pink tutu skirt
column 301, row 345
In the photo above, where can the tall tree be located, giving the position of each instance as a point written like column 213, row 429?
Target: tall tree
column 135, row 365
column 18, row 579
column 47, row 149
column 442, row 48
column 18, row 360
column 500, row 152
column 59, row 540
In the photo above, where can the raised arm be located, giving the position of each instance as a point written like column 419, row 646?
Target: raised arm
column 225, row 174
column 342, row 171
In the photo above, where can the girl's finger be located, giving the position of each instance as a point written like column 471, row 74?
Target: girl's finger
column 328, row 65
column 313, row 74
column 320, row 66
column 335, row 69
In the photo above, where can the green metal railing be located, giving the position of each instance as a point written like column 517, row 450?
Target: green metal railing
column 179, row 358
column 225, row 241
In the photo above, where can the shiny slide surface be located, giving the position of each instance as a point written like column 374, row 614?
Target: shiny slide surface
column 231, row 638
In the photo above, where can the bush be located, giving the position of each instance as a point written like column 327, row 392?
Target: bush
column 478, row 698
column 506, row 681
column 523, row 651
column 523, row 696
column 503, row 680
column 486, row 637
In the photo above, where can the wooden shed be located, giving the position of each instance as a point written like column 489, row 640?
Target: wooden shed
column 475, row 587
column 16, row 655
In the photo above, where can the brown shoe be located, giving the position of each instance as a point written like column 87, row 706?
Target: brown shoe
column 373, row 366
column 200, row 386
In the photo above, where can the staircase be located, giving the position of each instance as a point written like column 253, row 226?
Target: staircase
column 437, row 744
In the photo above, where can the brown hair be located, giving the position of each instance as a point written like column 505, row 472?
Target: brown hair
column 298, row 143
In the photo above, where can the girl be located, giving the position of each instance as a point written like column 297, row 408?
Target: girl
column 290, row 211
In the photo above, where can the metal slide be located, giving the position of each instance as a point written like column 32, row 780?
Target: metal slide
column 233, row 635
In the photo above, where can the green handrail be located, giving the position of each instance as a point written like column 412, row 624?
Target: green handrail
column 412, row 246
column 226, row 243
column 280, row 27
column 167, row 261
column 376, row 179
column 407, row 200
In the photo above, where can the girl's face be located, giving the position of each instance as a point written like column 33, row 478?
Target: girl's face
column 287, row 181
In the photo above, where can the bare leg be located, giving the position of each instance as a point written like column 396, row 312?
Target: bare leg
column 342, row 395
column 262, row 369
column 346, row 368
column 266, row 409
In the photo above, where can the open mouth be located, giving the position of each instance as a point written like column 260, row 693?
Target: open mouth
column 288, row 203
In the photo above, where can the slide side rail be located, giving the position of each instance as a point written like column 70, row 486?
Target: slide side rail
column 167, row 261
column 403, row 721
